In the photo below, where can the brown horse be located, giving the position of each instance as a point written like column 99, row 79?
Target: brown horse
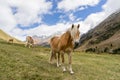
column 64, row 44
column 10, row 40
column 29, row 41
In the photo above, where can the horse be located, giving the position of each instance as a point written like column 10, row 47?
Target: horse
column 10, row 40
column 65, row 44
column 29, row 41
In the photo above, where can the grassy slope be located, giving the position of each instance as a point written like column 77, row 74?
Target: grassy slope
column 6, row 37
column 20, row 63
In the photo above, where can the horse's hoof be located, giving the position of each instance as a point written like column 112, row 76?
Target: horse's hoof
column 58, row 65
column 64, row 70
column 71, row 72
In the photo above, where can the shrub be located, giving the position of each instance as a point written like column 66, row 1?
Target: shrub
column 116, row 51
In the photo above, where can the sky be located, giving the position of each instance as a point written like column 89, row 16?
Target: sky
column 20, row 18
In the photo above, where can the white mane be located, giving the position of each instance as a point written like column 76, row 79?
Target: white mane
column 73, row 31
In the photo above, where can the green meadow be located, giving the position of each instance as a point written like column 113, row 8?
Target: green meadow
column 20, row 63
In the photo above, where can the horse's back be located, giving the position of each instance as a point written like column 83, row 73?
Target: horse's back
column 29, row 39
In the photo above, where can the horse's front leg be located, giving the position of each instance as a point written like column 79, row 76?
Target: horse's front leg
column 70, row 62
column 63, row 60
column 26, row 44
column 29, row 45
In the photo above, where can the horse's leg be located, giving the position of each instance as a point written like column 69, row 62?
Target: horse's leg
column 26, row 44
column 63, row 66
column 29, row 45
column 33, row 45
column 58, row 60
column 51, row 56
column 70, row 62
column 55, row 56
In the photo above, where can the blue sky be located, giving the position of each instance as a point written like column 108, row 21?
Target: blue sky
column 20, row 18
column 51, row 19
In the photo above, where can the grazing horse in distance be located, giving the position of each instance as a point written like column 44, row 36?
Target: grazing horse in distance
column 65, row 44
column 10, row 40
column 29, row 41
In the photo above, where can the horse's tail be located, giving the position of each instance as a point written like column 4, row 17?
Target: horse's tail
column 51, row 40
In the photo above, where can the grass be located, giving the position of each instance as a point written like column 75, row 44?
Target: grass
column 20, row 63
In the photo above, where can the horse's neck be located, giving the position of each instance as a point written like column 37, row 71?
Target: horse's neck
column 67, row 38
column 68, row 34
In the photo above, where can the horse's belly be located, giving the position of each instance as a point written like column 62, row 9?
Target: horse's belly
column 67, row 50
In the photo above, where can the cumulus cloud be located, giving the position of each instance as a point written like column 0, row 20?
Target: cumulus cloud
column 7, row 20
column 67, row 5
column 111, row 6
column 28, row 11
column 92, row 20
column 72, row 17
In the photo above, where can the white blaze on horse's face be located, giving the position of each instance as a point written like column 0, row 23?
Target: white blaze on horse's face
column 75, row 33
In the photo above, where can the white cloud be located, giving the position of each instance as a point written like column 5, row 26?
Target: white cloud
column 111, row 6
column 72, row 17
column 7, row 20
column 67, row 5
column 94, row 19
column 28, row 11
column 90, row 22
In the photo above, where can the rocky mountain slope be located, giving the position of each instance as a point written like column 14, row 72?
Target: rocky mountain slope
column 103, row 38
column 43, row 40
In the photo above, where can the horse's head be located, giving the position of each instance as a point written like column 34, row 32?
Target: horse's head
column 75, row 33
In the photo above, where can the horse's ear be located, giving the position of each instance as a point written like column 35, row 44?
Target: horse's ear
column 78, row 26
column 72, row 26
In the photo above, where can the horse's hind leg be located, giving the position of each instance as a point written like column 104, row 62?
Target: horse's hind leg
column 29, row 45
column 58, row 60
column 51, row 56
column 26, row 44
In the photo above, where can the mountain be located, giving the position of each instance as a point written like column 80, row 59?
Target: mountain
column 105, row 37
column 43, row 40
column 4, row 36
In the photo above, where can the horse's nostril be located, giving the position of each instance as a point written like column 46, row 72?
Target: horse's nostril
column 76, row 43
